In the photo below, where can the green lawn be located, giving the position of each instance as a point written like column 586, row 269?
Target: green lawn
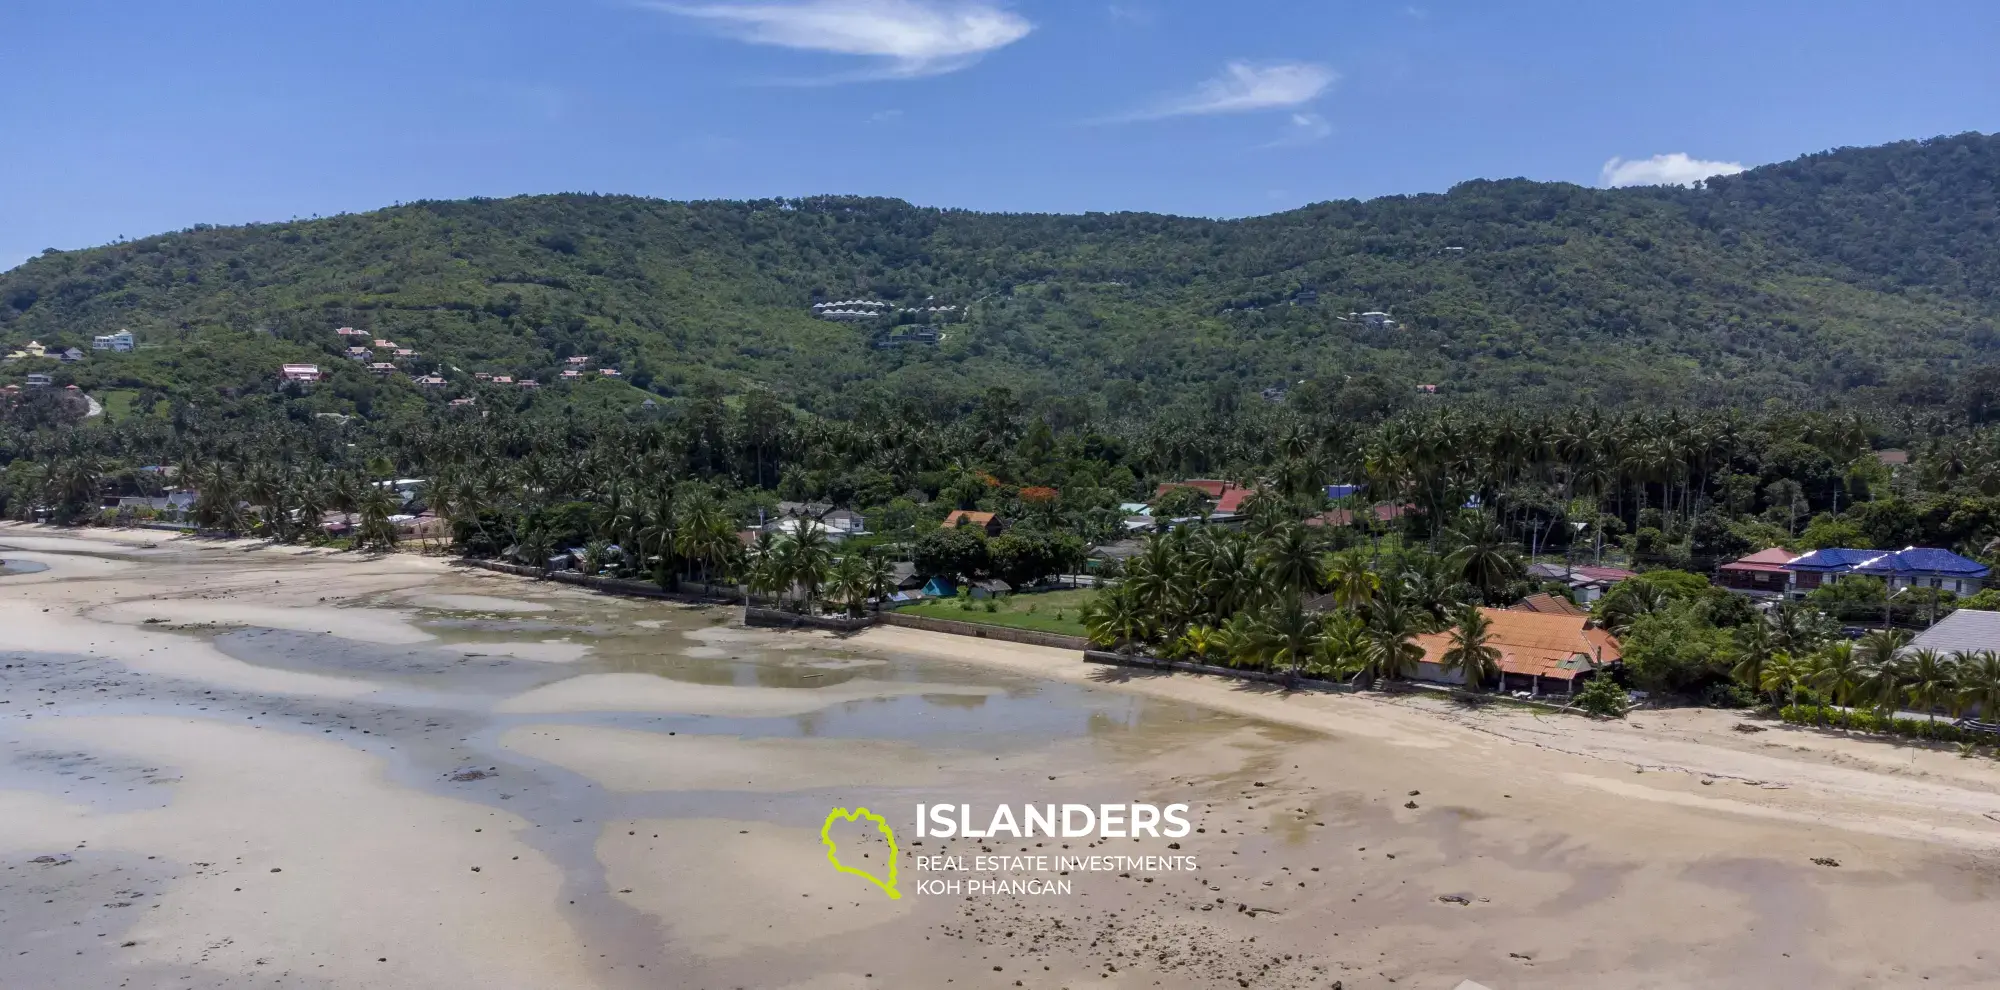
column 1014, row 611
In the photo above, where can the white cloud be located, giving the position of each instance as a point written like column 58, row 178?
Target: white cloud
column 1676, row 169
column 1131, row 14
column 1245, row 87
column 1305, row 128
column 910, row 38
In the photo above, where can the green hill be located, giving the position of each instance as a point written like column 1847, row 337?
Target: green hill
column 1855, row 275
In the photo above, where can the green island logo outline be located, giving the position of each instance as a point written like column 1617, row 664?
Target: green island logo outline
column 833, row 849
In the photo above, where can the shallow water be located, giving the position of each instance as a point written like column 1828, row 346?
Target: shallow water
column 18, row 566
column 431, row 718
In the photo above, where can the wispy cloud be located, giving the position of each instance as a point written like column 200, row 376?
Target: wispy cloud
column 1245, row 87
column 1676, row 169
column 907, row 39
column 1305, row 128
column 1130, row 13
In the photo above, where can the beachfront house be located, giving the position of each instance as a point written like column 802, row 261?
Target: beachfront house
column 1540, row 653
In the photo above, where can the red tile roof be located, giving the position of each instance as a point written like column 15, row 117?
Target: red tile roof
column 1207, row 486
column 970, row 518
column 1548, row 604
column 1770, row 561
column 1232, row 500
column 1345, row 517
column 1532, row 643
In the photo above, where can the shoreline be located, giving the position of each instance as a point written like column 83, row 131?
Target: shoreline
column 372, row 729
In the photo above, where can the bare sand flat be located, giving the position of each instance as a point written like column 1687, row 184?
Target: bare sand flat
column 268, row 867
column 1359, row 839
column 647, row 693
column 366, row 625
column 61, row 567
column 628, row 760
column 33, row 628
column 726, row 888
column 477, row 603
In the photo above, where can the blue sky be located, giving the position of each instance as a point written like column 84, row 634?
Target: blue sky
column 129, row 118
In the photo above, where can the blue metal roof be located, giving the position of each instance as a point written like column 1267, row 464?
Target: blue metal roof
column 1833, row 559
column 1343, row 491
column 1911, row 560
column 1925, row 560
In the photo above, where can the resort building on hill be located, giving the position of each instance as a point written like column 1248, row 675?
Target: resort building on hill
column 121, row 342
column 299, row 372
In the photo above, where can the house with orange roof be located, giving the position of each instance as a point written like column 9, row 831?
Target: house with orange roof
column 1540, row 652
column 1227, row 496
column 982, row 520
column 1549, row 604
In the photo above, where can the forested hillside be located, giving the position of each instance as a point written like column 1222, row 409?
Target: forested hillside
column 1855, row 276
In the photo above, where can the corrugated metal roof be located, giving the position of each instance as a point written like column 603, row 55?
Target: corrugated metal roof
column 1966, row 629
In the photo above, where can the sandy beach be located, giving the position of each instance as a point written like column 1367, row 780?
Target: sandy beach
column 224, row 765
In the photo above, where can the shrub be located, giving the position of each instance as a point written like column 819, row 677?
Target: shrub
column 1861, row 721
column 1602, row 697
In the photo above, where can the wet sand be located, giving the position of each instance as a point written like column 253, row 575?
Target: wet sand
column 341, row 771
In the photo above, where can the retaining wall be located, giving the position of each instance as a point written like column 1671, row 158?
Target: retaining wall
column 774, row 618
column 1155, row 663
column 692, row 594
column 1008, row 634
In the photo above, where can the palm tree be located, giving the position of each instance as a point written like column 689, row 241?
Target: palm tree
column 1979, row 682
column 881, row 579
column 1840, row 672
column 1931, row 680
column 1114, row 618
column 377, row 505
column 1354, row 583
column 808, row 556
column 1752, row 647
column 1286, row 636
column 1292, row 559
column 1782, row 674
column 1483, row 557
column 1394, row 623
column 765, row 568
column 1632, row 600
column 1343, row 645
column 850, row 583
column 537, row 546
column 1469, row 652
